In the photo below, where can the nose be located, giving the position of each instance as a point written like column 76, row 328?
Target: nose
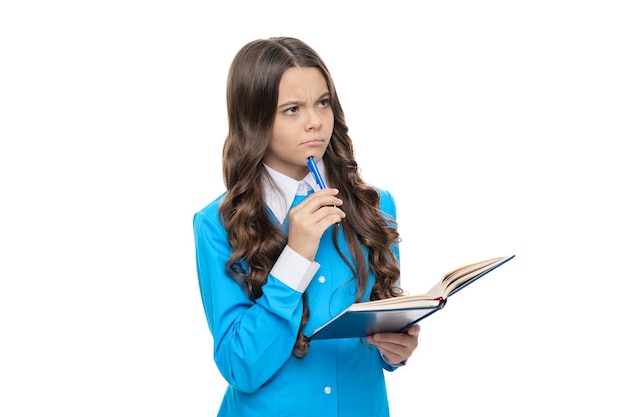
column 314, row 120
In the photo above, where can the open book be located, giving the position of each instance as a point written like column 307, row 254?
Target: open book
column 397, row 314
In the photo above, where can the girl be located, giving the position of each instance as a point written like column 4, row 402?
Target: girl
column 277, row 257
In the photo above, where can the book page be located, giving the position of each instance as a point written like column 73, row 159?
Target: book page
column 403, row 301
column 451, row 282
column 461, row 276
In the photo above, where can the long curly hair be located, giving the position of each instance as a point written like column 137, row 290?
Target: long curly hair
column 256, row 241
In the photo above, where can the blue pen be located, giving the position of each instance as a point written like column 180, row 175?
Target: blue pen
column 317, row 175
column 316, row 172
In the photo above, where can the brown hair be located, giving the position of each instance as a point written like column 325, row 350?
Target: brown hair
column 256, row 241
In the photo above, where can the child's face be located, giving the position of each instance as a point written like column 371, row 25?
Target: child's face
column 303, row 123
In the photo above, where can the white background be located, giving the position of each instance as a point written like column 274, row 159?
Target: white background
column 498, row 126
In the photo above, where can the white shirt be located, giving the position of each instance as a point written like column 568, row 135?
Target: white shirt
column 279, row 196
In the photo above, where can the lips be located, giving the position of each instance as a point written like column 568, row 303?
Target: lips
column 315, row 142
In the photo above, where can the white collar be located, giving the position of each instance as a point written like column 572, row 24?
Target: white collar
column 280, row 190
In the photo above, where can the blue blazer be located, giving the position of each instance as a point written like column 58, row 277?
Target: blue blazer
column 253, row 341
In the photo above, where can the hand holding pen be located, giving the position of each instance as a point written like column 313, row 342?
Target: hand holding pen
column 312, row 217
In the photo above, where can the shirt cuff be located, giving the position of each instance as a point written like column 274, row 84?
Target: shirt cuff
column 294, row 270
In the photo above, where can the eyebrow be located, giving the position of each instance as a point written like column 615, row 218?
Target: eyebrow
column 294, row 103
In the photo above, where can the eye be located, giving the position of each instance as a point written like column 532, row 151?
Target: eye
column 291, row 111
column 325, row 102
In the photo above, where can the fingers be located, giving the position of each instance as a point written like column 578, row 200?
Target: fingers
column 396, row 347
column 320, row 210
column 319, row 199
column 309, row 220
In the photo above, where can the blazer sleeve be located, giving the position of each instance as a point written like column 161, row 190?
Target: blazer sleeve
column 388, row 208
column 252, row 339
